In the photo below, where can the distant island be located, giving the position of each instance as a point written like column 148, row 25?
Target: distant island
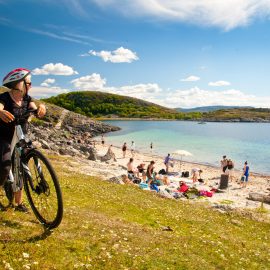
column 102, row 105
column 211, row 108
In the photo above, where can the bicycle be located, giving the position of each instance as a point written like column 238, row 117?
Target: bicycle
column 31, row 169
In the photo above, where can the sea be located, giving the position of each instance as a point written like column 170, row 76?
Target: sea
column 206, row 142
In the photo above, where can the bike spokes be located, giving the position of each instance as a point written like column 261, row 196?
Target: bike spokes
column 43, row 191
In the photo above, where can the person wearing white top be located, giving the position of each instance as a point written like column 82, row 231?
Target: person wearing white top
column 132, row 148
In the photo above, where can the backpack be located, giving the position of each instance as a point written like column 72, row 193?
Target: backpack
column 185, row 174
column 162, row 171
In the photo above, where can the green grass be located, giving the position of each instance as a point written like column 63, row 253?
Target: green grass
column 109, row 226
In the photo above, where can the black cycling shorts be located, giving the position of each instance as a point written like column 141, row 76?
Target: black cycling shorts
column 5, row 160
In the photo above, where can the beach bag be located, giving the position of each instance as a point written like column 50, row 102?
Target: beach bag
column 185, row 174
column 143, row 185
column 136, row 180
column 154, row 187
column 183, row 188
column 243, row 178
column 162, row 171
column 224, row 180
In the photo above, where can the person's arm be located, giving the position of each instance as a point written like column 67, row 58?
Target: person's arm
column 5, row 116
column 41, row 109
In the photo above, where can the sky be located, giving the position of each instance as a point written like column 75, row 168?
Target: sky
column 184, row 53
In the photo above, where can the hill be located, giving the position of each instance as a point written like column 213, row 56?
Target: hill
column 210, row 108
column 99, row 104
column 238, row 115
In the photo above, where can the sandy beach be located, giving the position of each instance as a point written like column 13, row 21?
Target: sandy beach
column 234, row 196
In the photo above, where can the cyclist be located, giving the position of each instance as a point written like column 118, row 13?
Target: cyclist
column 14, row 103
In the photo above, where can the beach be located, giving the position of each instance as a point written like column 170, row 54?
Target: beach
column 234, row 197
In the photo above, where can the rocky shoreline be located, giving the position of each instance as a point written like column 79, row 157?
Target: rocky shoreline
column 67, row 133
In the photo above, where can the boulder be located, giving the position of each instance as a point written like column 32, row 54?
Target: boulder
column 44, row 144
column 116, row 180
column 93, row 154
column 259, row 197
column 108, row 156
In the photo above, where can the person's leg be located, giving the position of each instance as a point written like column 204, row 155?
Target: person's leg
column 246, row 181
column 18, row 201
column 5, row 165
column 18, row 197
column 5, row 161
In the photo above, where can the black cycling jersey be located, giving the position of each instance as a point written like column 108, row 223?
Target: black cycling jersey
column 7, row 129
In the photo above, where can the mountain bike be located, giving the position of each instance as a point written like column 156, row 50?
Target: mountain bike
column 31, row 169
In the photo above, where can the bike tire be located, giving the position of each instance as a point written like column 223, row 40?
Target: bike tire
column 42, row 189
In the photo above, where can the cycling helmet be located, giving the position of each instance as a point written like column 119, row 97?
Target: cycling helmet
column 15, row 75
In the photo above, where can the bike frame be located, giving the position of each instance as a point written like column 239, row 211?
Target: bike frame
column 16, row 148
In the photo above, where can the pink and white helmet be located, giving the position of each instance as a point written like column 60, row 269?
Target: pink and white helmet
column 16, row 75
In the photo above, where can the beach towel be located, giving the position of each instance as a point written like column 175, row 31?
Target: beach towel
column 143, row 185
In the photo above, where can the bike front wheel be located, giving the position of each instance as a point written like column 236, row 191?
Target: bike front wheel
column 42, row 189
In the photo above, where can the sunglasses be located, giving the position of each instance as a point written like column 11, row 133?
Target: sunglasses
column 28, row 83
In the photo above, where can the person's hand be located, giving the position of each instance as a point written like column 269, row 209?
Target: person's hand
column 6, row 116
column 41, row 111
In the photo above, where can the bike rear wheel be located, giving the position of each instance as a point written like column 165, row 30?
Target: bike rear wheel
column 42, row 189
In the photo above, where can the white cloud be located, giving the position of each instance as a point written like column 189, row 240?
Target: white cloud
column 196, row 97
column 47, row 82
column 219, row 83
column 227, row 14
column 45, row 92
column 120, row 55
column 191, row 78
column 89, row 82
column 143, row 91
column 54, row 35
column 152, row 92
column 54, row 69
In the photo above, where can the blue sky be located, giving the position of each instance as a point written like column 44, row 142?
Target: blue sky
column 173, row 53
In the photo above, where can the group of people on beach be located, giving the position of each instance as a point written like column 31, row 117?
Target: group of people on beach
column 143, row 173
column 132, row 149
column 227, row 167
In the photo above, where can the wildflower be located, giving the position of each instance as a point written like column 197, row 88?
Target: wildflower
column 25, row 255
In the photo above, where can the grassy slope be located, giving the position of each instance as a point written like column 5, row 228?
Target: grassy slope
column 109, row 226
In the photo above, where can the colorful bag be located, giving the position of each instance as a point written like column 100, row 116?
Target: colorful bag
column 143, row 185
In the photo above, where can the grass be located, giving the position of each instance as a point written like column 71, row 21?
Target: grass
column 109, row 226
column 226, row 202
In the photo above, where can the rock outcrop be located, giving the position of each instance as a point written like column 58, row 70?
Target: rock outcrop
column 68, row 133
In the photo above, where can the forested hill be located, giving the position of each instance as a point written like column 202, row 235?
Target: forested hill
column 99, row 104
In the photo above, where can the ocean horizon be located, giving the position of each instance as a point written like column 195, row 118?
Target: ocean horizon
column 206, row 142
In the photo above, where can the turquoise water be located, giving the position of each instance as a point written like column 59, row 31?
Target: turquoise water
column 207, row 142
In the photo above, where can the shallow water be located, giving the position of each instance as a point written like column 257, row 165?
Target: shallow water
column 207, row 142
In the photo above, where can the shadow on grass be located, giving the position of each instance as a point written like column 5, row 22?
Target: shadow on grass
column 11, row 224
column 46, row 233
